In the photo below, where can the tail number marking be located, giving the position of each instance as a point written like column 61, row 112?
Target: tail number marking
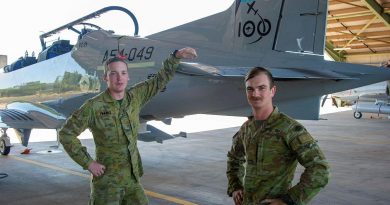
column 249, row 28
column 132, row 54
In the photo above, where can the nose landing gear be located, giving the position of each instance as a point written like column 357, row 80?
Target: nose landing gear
column 5, row 143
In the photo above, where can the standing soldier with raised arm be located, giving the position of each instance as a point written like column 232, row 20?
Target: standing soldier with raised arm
column 265, row 152
column 113, row 118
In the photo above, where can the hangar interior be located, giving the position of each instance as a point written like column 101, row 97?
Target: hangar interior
column 358, row 31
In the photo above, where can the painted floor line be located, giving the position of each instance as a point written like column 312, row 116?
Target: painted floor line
column 67, row 171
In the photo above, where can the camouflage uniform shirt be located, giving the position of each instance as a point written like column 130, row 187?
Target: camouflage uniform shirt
column 114, row 127
column 264, row 156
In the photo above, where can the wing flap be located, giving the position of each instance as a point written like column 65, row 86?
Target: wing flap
column 198, row 69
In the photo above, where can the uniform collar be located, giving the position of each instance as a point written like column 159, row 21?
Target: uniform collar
column 109, row 99
column 274, row 115
column 107, row 96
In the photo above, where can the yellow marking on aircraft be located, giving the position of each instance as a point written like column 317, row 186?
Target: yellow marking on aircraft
column 133, row 65
column 88, row 176
column 141, row 65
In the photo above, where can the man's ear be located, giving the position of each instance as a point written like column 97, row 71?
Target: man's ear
column 273, row 90
column 104, row 77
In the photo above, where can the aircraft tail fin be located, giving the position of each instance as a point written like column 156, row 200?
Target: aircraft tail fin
column 257, row 26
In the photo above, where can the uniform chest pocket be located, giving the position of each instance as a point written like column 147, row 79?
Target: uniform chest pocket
column 105, row 130
column 126, row 123
column 133, row 120
column 272, row 154
column 106, row 121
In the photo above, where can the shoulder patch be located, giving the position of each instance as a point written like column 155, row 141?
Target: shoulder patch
column 301, row 140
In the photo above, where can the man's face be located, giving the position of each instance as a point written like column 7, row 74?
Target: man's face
column 117, row 77
column 258, row 91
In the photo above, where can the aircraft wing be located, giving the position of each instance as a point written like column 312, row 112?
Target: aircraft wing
column 27, row 115
column 11, row 118
column 198, row 69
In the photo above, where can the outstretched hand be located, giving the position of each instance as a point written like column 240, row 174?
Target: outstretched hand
column 186, row 53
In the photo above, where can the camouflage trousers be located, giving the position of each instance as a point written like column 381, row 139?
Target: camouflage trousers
column 117, row 187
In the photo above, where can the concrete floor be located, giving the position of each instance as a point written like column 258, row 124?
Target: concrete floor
column 192, row 170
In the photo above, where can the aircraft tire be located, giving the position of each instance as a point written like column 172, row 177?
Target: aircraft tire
column 4, row 149
column 357, row 115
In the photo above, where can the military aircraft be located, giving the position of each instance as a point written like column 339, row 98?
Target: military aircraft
column 373, row 98
column 285, row 36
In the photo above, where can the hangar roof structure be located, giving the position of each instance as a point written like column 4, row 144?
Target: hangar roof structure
column 358, row 31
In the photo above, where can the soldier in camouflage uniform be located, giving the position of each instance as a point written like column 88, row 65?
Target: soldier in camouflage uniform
column 266, row 150
column 113, row 118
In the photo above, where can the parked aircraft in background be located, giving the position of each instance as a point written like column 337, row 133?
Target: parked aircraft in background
column 373, row 98
column 285, row 36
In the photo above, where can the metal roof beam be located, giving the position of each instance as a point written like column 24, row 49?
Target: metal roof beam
column 361, row 36
column 358, row 27
column 347, row 11
column 368, row 54
column 378, row 11
column 366, row 40
column 369, row 46
column 361, row 31
column 352, row 17
column 335, row 2
column 333, row 54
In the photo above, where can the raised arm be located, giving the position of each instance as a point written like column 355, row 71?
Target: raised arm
column 144, row 91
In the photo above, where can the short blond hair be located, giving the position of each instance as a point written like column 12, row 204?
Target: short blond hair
column 113, row 60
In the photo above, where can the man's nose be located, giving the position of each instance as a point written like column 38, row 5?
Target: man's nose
column 119, row 77
column 256, row 93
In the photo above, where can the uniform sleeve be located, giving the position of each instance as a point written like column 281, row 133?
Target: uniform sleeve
column 144, row 91
column 310, row 156
column 68, row 134
column 235, row 165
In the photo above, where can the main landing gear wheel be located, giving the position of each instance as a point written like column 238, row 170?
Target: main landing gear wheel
column 357, row 115
column 4, row 149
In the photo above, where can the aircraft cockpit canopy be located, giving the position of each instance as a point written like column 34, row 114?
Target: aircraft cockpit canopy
column 21, row 62
column 60, row 47
column 57, row 48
